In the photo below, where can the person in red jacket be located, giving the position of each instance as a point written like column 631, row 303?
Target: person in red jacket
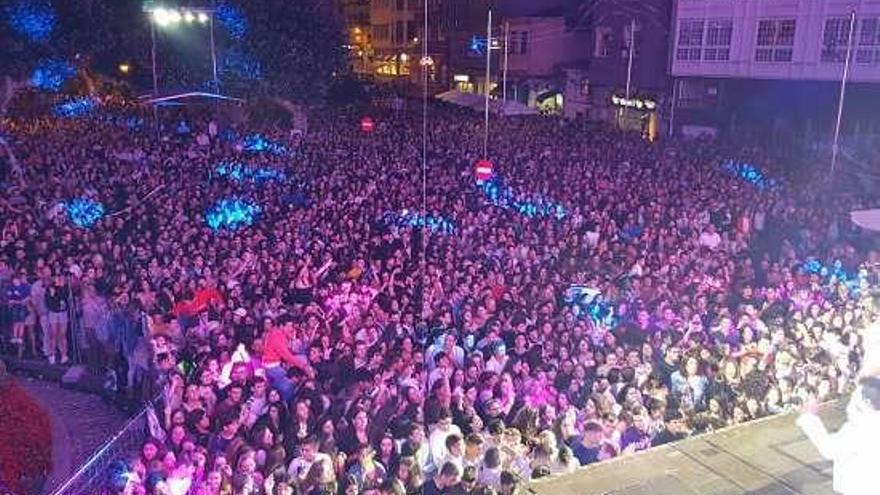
column 277, row 356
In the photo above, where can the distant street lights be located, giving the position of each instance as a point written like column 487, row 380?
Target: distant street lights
column 170, row 17
column 165, row 17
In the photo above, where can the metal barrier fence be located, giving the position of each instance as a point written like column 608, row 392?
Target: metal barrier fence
column 100, row 471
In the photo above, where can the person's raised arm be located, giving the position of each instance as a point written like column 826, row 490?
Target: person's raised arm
column 813, row 427
column 323, row 270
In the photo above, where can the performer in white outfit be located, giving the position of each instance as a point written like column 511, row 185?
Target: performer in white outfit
column 855, row 448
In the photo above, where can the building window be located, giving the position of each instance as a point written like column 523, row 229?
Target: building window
column 523, row 42
column 380, row 32
column 630, row 35
column 410, row 31
column 399, row 34
column 690, row 39
column 775, row 40
column 719, row 33
column 604, row 39
column 868, row 51
column 834, row 39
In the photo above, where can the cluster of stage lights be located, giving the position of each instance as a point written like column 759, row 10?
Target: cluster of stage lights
column 167, row 17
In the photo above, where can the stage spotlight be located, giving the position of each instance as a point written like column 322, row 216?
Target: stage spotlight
column 161, row 16
column 189, row 17
column 203, row 17
column 174, row 16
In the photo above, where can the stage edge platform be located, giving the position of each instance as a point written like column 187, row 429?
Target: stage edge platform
column 766, row 457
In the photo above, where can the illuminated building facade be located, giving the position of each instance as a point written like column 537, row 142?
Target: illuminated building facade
column 394, row 33
column 782, row 61
column 356, row 17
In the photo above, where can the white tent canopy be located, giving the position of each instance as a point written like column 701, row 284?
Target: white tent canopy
column 478, row 102
column 158, row 100
column 866, row 219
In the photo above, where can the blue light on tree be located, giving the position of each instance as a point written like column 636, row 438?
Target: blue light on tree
column 812, row 266
column 750, row 173
column 51, row 74
column 501, row 195
column 34, row 20
column 84, row 212
column 834, row 273
column 232, row 18
column 414, row 219
column 232, row 214
column 239, row 62
column 76, row 107
column 231, row 170
column 258, row 143
column 241, row 172
column 229, row 135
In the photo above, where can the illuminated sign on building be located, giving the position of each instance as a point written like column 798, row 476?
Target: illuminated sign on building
column 636, row 103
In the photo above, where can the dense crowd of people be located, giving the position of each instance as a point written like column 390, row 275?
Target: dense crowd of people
column 324, row 349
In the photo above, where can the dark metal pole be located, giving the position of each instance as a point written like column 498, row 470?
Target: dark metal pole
column 214, row 51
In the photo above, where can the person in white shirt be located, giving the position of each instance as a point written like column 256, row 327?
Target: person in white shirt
column 299, row 467
column 454, row 452
column 498, row 361
column 437, row 439
column 709, row 238
column 855, row 448
column 420, row 448
column 448, row 345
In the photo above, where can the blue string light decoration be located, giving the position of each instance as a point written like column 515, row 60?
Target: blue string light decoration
column 501, row 195
column 478, row 45
column 84, row 212
column 51, row 74
column 229, row 135
column 812, row 266
column 750, row 173
column 76, row 107
column 33, row 20
column 239, row 62
column 834, row 273
column 414, row 219
column 258, row 143
column 232, row 18
column 587, row 302
column 232, row 214
column 241, row 172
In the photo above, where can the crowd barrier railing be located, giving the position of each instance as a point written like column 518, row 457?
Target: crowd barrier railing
column 102, row 468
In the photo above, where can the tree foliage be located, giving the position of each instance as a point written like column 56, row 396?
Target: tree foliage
column 298, row 46
column 287, row 48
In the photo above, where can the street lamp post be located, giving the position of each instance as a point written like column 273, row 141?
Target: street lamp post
column 849, row 43
column 487, row 88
